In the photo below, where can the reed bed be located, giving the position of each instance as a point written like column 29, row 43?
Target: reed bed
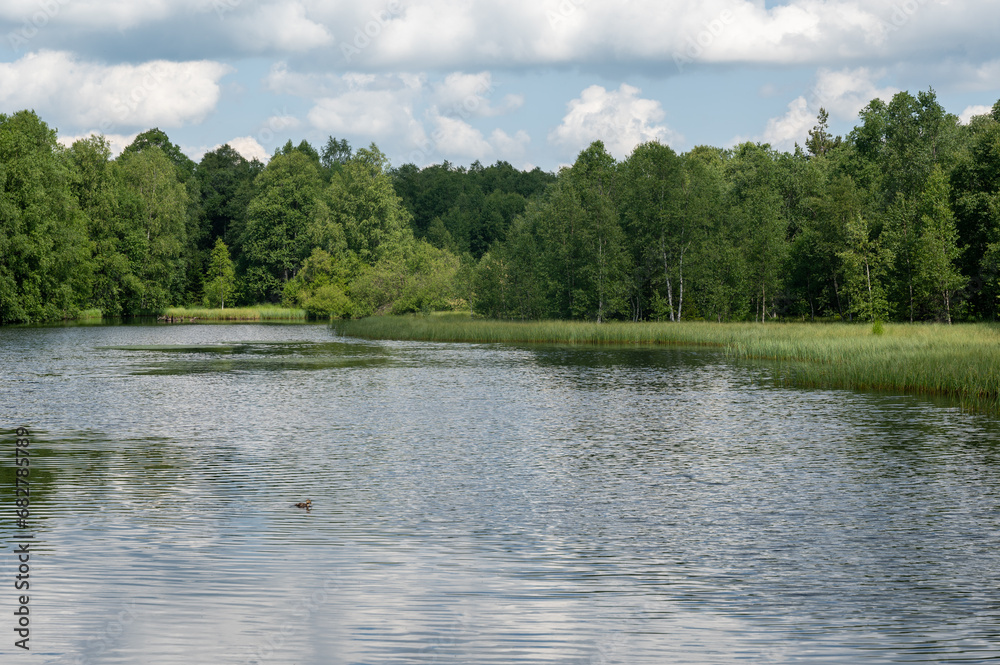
column 960, row 361
column 89, row 314
column 257, row 313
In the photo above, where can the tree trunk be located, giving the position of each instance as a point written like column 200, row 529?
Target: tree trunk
column 680, row 297
column 836, row 293
column 666, row 276
column 871, row 299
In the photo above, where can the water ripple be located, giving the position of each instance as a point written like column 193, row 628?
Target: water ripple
column 486, row 504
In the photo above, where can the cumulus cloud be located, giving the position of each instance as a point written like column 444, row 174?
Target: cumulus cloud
column 510, row 148
column 620, row 118
column 87, row 94
column 842, row 93
column 414, row 35
column 109, row 14
column 453, row 136
column 249, row 147
column 377, row 109
column 438, row 33
column 473, row 95
column 282, row 27
column 972, row 111
column 117, row 142
column 454, row 139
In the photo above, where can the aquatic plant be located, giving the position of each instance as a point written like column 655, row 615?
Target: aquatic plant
column 961, row 361
column 256, row 313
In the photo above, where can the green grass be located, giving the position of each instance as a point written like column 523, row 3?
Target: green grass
column 256, row 313
column 89, row 314
column 960, row 361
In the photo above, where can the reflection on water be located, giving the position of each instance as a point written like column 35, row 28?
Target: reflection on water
column 484, row 504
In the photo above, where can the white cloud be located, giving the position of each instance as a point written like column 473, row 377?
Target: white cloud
column 373, row 114
column 966, row 116
column 95, row 96
column 284, row 82
column 619, row 118
column 117, row 142
column 249, row 147
column 794, row 126
column 437, row 34
column 457, row 138
column 114, row 14
column 284, row 27
column 842, row 93
column 471, row 95
column 510, row 148
column 454, row 139
column 280, row 123
column 425, row 34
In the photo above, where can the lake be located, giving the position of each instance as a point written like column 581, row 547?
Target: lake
column 481, row 504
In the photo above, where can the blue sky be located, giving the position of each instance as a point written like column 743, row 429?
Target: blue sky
column 531, row 82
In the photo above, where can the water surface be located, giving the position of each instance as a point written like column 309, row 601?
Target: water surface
column 483, row 504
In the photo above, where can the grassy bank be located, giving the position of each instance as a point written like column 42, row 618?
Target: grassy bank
column 961, row 361
column 256, row 313
column 89, row 315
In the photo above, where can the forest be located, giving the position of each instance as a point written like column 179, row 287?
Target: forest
column 899, row 220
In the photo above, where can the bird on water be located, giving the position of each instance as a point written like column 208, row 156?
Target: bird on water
column 307, row 504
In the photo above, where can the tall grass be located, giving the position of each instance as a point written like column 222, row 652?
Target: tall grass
column 89, row 314
column 961, row 361
column 256, row 313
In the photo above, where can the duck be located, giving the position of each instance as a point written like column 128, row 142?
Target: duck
column 307, row 504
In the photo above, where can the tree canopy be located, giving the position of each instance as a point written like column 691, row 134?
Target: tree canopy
column 899, row 219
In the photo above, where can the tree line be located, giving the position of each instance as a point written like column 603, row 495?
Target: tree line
column 898, row 220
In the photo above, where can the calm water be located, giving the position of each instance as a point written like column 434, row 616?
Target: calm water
column 482, row 504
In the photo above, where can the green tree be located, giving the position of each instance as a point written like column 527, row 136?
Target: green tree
column 320, row 287
column 335, row 153
column 866, row 263
column 822, row 237
column 975, row 194
column 225, row 180
column 45, row 266
column 937, row 273
column 361, row 200
column 220, row 278
column 96, row 182
column 509, row 281
column 277, row 239
column 652, row 197
column 422, row 279
column 156, row 138
column 154, row 203
column 196, row 234
column 757, row 207
column 820, row 140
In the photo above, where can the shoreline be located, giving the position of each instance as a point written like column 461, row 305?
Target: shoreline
column 960, row 361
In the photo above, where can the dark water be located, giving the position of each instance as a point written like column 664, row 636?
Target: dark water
column 482, row 504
